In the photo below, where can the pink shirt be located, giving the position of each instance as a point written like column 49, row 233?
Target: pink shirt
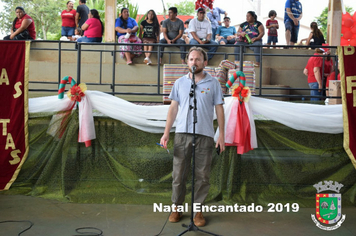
column 94, row 30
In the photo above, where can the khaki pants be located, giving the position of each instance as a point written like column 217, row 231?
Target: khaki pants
column 182, row 162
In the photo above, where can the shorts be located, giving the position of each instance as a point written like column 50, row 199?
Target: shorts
column 149, row 40
column 272, row 39
column 67, row 31
column 293, row 29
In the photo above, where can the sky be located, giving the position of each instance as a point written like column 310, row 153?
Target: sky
column 237, row 9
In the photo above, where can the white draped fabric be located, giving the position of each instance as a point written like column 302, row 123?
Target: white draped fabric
column 299, row 116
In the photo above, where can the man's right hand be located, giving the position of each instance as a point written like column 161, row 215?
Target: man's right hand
column 164, row 140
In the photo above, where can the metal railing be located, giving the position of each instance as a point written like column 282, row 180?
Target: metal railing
column 78, row 48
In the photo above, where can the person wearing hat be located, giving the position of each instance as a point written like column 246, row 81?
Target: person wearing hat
column 23, row 26
column 201, row 33
column 215, row 19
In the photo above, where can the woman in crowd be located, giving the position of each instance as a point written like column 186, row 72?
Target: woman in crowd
column 68, row 20
column 126, row 28
column 93, row 28
column 250, row 33
column 313, row 71
column 316, row 37
column 23, row 26
column 150, row 29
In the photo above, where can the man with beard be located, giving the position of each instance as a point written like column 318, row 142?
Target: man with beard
column 208, row 96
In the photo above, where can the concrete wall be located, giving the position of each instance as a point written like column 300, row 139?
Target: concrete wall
column 278, row 69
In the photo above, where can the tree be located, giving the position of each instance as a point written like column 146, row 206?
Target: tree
column 322, row 20
column 45, row 13
column 185, row 7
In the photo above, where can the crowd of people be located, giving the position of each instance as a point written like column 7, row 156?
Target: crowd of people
column 206, row 29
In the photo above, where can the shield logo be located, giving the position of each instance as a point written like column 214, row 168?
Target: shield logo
column 328, row 208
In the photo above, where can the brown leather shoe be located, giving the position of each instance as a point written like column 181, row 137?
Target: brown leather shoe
column 175, row 217
column 199, row 219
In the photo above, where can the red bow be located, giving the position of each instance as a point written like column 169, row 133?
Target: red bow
column 76, row 93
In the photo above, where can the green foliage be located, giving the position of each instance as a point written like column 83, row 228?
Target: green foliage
column 53, row 36
column 185, row 7
column 99, row 5
column 45, row 13
column 322, row 20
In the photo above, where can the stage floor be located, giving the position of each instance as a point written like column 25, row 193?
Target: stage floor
column 54, row 218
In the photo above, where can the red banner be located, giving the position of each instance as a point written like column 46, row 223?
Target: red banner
column 14, row 62
column 347, row 60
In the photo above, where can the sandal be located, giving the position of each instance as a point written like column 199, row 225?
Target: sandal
column 129, row 63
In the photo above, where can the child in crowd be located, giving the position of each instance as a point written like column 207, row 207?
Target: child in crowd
column 316, row 37
column 149, row 33
column 272, row 26
column 77, row 34
column 186, row 33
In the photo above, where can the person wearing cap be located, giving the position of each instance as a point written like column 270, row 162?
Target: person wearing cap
column 313, row 71
column 226, row 34
column 201, row 33
column 173, row 29
column 215, row 19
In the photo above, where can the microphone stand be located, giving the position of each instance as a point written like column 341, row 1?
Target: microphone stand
column 192, row 226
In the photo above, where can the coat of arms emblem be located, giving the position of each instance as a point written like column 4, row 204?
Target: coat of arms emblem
column 328, row 206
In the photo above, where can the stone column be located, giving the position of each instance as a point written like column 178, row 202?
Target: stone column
column 334, row 22
column 110, row 16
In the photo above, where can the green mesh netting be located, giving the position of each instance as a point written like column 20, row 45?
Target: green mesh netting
column 124, row 165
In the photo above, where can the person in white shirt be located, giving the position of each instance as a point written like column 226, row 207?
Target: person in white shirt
column 201, row 33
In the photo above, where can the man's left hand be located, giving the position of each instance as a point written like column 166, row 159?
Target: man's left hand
column 220, row 142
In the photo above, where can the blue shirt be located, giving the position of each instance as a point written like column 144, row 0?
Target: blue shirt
column 295, row 7
column 223, row 31
column 208, row 94
column 130, row 24
column 214, row 17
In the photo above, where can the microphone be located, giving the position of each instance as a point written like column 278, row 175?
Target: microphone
column 193, row 69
